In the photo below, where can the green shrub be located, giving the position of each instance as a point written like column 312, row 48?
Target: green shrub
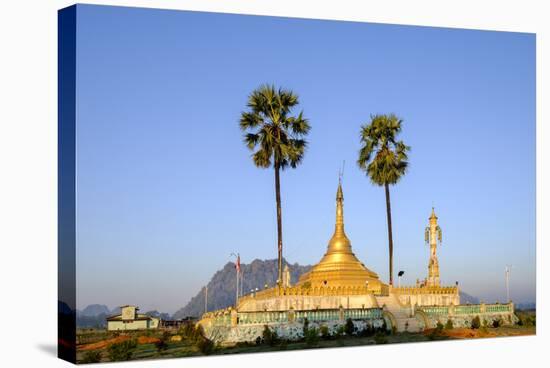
column 384, row 327
column 339, row 332
column 436, row 332
column 258, row 340
column 324, row 332
column 380, row 338
column 433, row 335
column 121, row 351
column 191, row 332
column 266, row 335
column 162, row 343
column 92, row 356
column 269, row 337
column 205, row 345
column 449, row 325
column 186, row 328
column 367, row 331
column 349, row 328
column 305, row 327
column 199, row 332
column 528, row 321
column 497, row 323
column 312, row 336
column 476, row 322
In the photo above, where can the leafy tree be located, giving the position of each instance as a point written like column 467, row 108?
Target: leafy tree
column 449, row 325
column 384, row 160
column 277, row 138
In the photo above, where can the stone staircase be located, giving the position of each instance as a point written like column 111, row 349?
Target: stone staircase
column 404, row 320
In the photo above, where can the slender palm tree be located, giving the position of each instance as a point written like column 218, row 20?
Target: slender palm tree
column 276, row 137
column 384, row 160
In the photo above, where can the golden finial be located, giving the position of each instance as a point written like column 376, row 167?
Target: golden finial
column 341, row 172
column 433, row 216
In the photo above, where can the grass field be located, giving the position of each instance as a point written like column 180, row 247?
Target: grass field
column 146, row 344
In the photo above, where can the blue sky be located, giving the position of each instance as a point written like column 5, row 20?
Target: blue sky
column 167, row 190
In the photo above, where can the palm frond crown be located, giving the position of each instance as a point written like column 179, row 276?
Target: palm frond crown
column 272, row 132
column 382, row 156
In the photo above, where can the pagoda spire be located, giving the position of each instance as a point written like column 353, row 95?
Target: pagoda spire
column 339, row 266
column 339, row 241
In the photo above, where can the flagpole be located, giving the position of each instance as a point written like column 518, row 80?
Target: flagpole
column 237, row 271
column 242, row 282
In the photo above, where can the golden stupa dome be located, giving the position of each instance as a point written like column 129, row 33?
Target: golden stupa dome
column 339, row 267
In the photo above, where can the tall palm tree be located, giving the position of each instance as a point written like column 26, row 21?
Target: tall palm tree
column 384, row 160
column 277, row 139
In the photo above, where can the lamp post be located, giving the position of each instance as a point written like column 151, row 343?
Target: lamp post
column 507, row 271
column 399, row 275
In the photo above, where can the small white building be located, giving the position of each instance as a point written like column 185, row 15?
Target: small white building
column 130, row 319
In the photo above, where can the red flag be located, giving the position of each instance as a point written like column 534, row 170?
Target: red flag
column 238, row 264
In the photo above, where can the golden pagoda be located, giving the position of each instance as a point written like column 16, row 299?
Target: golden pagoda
column 339, row 267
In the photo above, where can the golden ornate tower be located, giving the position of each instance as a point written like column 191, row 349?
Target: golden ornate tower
column 432, row 236
column 339, row 267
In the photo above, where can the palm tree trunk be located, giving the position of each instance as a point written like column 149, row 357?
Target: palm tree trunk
column 390, row 239
column 279, row 226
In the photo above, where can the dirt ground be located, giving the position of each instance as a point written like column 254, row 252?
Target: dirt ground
column 468, row 333
column 105, row 343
